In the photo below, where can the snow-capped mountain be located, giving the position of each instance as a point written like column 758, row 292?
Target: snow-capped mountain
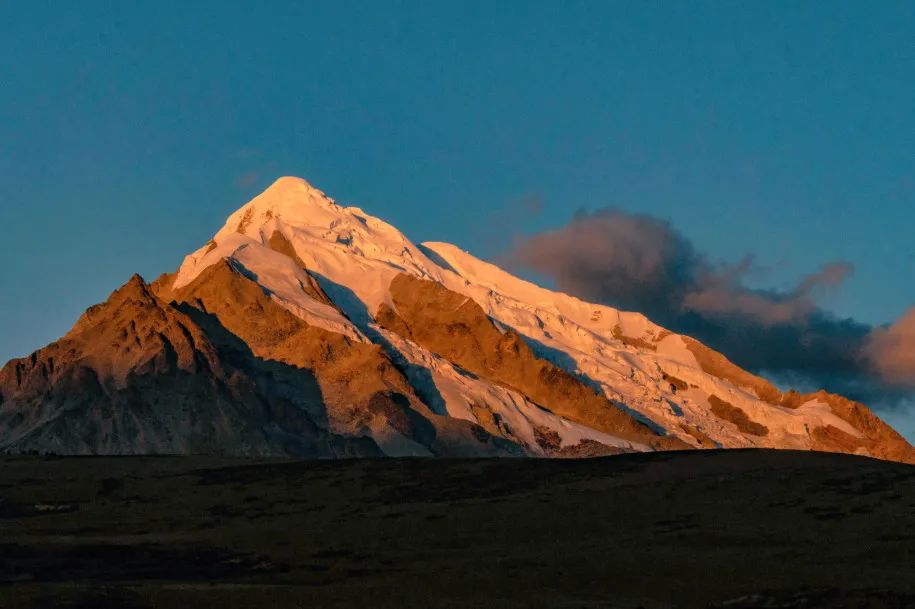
column 308, row 328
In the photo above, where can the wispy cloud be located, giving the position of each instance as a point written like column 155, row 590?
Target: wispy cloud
column 247, row 179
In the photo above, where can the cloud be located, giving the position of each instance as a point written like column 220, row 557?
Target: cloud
column 900, row 416
column 832, row 275
column 639, row 262
column 891, row 351
column 247, row 179
column 490, row 231
column 722, row 293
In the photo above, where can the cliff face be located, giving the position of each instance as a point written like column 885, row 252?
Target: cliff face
column 309, row 329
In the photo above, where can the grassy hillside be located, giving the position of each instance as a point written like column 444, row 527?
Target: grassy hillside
column 695, row 529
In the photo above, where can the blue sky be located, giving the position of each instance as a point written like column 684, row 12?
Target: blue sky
column 129, row 131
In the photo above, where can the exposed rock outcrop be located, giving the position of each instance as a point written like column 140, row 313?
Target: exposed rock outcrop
column 456, row 328
column 362, row 392
column 138, row 376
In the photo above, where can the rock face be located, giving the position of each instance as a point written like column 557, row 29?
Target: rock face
column 456, row 328
column 308, row 329
column 358, row 392
column 220, row 370
column 136, row 375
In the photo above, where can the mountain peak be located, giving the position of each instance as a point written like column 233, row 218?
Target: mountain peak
column 289, row 199
column 475, row 344
column 136, row 282
column 289, row 193
column 135, row 288
column 284, row 184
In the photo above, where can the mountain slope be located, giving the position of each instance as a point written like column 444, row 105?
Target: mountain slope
column 362, row 392
column 428, row 350
column 136, row 376
column 455, row 327
column 220, row 370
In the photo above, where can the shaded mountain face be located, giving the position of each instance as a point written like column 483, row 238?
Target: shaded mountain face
column 136, row 375
column 304, row 328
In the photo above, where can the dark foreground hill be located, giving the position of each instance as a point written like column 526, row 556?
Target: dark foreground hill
column 694, row 529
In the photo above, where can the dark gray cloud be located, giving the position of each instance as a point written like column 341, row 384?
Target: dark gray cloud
column 638, row 262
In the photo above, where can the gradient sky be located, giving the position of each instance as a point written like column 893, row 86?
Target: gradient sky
column 129, row 131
